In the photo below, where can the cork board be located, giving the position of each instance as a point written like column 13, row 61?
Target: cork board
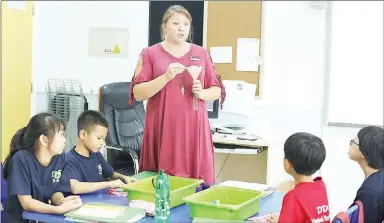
column 228, row 21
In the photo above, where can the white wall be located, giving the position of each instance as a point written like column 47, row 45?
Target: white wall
column 293, row 47
column 293, row 51
column 60, row 47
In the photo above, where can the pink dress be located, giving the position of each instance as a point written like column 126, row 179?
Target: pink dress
column 176, row 137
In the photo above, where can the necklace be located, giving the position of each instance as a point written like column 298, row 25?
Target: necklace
column 182, row 83
column 182, row 80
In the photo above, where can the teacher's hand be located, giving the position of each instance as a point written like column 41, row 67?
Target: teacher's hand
column 173, row 70
column 197, row 88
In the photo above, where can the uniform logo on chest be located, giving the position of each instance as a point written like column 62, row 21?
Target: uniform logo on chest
column 56, row 176
column 100, row 169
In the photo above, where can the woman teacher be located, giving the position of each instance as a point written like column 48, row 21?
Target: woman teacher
column 177, row 138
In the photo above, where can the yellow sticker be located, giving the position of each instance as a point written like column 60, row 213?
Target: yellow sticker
column 116, row 50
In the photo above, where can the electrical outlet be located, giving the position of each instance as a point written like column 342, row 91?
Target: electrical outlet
column 108, row 50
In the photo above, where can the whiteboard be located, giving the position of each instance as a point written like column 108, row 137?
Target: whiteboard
column 355, row 94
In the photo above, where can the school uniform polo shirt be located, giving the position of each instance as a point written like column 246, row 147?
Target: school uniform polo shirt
column 306, row 203
column 84, row 169
column 371, row 194
column 28, row 177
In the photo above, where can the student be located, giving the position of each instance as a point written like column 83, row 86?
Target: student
column 86, row 168
column 367, row 149
column 33, row 168
column 304, row 154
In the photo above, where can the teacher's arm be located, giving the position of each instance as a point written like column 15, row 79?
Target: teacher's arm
column 147, row 88
column 212, row 89
column 210, row 94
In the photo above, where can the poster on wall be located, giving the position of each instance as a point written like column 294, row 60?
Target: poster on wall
column 108, row 42
column 221, row 54
column 17, row 5
column 248, row 58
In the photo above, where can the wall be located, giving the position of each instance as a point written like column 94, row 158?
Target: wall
column 292, row 75
column 293, row 50
column 61, row 42
column 293, row 82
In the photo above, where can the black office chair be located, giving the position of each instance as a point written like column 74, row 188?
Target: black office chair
column 126, row 124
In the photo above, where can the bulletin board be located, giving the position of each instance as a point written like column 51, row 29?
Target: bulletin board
column 228, row 21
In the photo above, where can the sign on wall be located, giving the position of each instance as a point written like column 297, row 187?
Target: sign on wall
column 108, row 42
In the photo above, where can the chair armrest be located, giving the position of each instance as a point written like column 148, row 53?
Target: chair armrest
column 132, row 152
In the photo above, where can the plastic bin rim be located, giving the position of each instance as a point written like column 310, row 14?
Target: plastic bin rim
column 197, row 182
column 230, row 207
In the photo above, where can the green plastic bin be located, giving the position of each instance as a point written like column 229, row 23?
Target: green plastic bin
column 180, row 188
column 226, row 203
column 144, row 174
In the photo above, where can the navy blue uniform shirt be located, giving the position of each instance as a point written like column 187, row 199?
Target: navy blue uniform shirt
column 28, row 177
column 84, row 169
column 371, row 194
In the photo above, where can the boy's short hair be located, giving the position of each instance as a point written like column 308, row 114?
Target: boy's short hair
column 371, row 144
column 305, row 152
column 90, row 118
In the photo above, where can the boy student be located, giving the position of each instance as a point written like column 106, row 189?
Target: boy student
column 367, row 149
column 304, row 154
column 86, row 168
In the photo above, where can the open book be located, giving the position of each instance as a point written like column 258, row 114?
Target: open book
column 101, row 212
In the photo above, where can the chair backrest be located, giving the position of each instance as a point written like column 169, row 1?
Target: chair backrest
column 355, row 214
column 126, row 121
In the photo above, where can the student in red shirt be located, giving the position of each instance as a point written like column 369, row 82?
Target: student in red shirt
column 304, row 154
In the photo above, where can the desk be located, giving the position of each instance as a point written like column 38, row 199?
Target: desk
column 270, row 204
column 234, row 162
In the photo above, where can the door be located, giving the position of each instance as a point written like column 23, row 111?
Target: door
column 16, row 73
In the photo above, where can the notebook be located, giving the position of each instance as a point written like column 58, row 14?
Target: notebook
column 109, row 213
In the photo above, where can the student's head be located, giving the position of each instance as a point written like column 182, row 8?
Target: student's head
column 304, row 154
column 177, row 24
column 368, row 147
column 92, row 129
column 44, row 131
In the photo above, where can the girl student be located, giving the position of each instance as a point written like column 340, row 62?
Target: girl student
column 33, row 169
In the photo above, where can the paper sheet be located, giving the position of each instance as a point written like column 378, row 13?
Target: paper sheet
column 17, row 5
column 248, row 58
column 99, row 211
column 246, row 185
column 221, row 54
column 240, row 96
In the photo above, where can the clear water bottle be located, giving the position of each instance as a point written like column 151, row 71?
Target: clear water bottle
column 162, row 198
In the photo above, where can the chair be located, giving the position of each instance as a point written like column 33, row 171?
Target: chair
column 126, row 123
column 354, row 214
